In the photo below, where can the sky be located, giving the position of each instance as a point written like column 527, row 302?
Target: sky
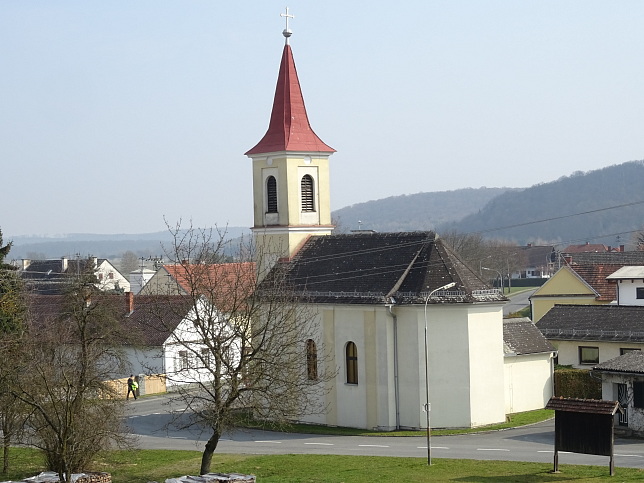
column 117, row 116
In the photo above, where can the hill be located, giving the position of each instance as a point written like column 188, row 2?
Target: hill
column 601, row 206
column 421, row 211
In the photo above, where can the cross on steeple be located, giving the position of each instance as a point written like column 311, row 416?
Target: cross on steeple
column 286, row 32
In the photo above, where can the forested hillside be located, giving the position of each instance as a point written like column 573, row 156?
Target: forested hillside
column 606, row 205
column 421, row 211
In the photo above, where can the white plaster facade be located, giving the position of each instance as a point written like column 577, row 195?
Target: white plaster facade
column 568, row 351
column 528, row 381
column 630, row 285
column 466, row 365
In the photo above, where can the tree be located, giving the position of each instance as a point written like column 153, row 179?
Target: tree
column 72, row 347
column 245, row 348
column 129, row 262
column 12, row 318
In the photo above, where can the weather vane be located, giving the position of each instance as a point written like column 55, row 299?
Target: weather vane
column 287, row 32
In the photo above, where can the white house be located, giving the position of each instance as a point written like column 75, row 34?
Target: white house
column 630, row 284
column 48, row 277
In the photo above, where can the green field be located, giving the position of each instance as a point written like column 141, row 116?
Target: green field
column 150, row 465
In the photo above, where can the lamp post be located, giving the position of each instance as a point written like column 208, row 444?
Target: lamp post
column 427, row 406
column 500, row 277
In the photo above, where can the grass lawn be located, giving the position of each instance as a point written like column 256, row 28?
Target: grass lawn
column 157, row 465
column 513, row 420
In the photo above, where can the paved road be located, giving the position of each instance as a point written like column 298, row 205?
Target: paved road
column 517, row 302
column 533, row 443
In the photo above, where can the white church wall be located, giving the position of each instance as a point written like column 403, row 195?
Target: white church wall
column 487, row 400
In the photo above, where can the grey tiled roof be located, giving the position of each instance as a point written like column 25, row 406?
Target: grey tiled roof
column 617, row 323
column 365, row 268
column 521, row 336
column 632, row 362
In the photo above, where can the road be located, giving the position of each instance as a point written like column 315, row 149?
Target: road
column 517, row 302
column 532, row 443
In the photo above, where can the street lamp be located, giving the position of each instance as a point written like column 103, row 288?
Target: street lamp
column 427, row 406
column 500, row 277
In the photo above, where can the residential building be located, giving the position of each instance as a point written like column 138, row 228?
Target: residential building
column 587, row 335
column 623, row 381
column 583, row 280
column 48, row 277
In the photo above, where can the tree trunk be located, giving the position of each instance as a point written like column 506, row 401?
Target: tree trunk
column 6, row 443
column 208, row 451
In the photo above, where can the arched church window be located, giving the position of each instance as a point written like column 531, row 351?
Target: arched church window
column 271, row 195
column 351, row 363
column 311, row 360
column 307, row 193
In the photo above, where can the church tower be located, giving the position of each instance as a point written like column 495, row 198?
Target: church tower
column 291, row 195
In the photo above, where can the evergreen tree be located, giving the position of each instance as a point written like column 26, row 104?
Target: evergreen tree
column 4, row 251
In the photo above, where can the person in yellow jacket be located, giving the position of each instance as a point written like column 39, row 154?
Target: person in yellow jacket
column 132, row 386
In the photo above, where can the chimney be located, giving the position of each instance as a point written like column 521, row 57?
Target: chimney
column 621, row 248
column 568, row 259
column 129, row 302
column 63, row 266
column 25, row 263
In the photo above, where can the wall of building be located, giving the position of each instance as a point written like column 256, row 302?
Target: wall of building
column 528, row 382
column 627, row 292
column 568, row 351
column 465, row 355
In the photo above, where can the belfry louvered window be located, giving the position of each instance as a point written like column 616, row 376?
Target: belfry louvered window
column 271, row 195
column 307, row 193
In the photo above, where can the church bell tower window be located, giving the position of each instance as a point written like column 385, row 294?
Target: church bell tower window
column 271, row 195
column 307, row 193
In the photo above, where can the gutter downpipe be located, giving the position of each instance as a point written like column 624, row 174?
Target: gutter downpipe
column 391, row 313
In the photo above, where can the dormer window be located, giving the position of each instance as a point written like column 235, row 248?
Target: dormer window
column 271, row 195
column 307, row 193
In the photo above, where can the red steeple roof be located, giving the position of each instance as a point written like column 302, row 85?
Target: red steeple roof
column 289, row 128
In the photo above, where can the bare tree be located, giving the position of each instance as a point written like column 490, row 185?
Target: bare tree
column 12, row 319
column 129, row 262
column 249, row 345
column 72, row 348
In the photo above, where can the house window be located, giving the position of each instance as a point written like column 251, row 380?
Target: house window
column 205, row 357
column 624, row 350
column 307, row 193
column 100, row 277
column 311, row 360
column 638, row 394
column 588, row 355
column 352, row 363
column 639, row 293
column 271, row 195
column 110, row 276
column 183, row 361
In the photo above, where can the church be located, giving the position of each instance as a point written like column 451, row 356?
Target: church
column 409, row 326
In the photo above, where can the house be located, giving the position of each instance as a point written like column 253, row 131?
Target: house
column 587, row 335
column 537, row 261
column 630, row 284
column 139, row 278
column 583, row 280
column 528, row 364
column 158, row 338
column 48, row 277
column 623, row 381
column 184, row 278
column 383, row 303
